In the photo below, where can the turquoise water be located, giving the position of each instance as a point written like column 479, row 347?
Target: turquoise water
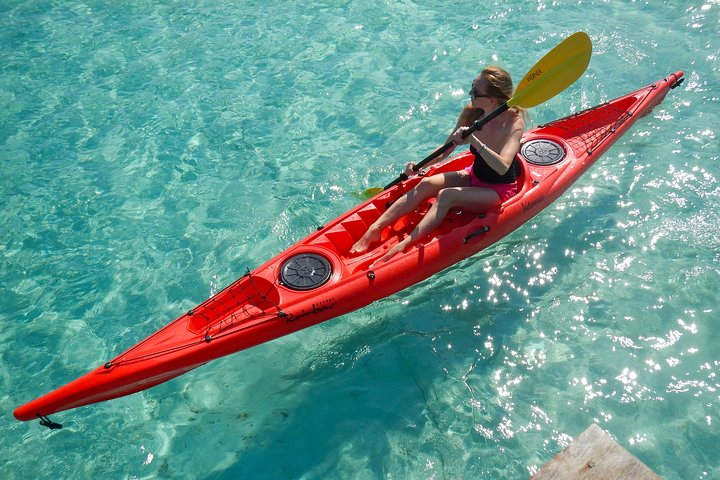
column 151, row 152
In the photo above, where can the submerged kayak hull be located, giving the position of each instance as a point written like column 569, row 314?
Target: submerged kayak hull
column 318, row 279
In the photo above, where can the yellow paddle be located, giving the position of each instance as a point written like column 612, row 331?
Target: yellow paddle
column 556, row 71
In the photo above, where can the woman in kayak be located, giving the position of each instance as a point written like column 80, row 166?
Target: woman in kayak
column 488, row 182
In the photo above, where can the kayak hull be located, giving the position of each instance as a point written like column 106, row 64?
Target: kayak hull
column 318, row 279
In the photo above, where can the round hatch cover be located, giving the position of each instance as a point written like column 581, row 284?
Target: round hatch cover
column 305, row 271
column 543, row 152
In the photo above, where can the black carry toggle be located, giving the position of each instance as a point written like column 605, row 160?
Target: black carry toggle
column 482, row 230
column 46, row 422
column 677, row 84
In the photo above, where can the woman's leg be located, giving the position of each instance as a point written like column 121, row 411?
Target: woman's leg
column 427, row 188
column 478, row 199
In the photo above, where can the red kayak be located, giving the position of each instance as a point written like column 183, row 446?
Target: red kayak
column 318, row 279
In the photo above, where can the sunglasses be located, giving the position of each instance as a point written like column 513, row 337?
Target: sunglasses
column 473, row 94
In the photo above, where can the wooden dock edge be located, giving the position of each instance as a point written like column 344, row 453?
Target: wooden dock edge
column 594, row 456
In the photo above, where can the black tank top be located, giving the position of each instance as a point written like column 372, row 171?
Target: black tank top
column 485, row 172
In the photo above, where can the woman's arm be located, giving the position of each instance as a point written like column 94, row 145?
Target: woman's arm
column 498, row 161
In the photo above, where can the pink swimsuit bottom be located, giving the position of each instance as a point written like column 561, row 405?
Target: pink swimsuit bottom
column 504, row 190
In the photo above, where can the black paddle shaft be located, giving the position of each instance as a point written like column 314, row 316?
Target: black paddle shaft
column 477, row 125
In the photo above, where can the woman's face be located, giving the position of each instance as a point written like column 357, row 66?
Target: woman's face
column 479, row 96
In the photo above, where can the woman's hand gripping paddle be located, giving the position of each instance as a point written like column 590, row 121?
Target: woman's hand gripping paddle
column 556, row 71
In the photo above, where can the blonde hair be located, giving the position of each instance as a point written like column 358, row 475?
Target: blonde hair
column 500, row 85
column 499, row 81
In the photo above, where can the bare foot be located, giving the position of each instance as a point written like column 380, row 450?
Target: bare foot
column 392, row 252
column 370, row 237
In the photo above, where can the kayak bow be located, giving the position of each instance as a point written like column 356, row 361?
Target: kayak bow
column 318, row 279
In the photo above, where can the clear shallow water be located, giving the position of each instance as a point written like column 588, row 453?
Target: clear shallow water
column 151, row 153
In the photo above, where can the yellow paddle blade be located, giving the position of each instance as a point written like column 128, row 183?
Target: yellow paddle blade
column 368, row 193
column 556, row 71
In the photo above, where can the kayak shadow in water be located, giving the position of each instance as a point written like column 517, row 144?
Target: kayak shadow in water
column 410, row 378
